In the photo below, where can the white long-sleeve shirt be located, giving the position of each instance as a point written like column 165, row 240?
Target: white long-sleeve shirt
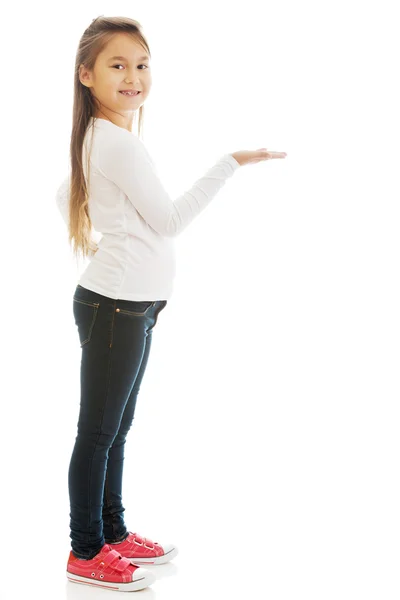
column 138, row 220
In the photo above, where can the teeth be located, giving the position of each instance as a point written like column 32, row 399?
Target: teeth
column 130, row 93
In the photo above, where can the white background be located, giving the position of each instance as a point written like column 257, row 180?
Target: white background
column 265, row 443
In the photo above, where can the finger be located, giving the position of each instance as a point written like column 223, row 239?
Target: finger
column 265, row 154
column 276, row 154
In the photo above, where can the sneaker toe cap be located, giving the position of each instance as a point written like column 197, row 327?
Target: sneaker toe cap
column 170, row 549
column 144, row 574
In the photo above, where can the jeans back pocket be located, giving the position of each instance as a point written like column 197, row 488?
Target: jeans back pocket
column 85, row 313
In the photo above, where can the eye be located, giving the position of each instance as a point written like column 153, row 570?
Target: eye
column 123, row 65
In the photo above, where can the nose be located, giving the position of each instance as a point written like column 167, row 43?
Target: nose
column 136, row 82
column 133, row 77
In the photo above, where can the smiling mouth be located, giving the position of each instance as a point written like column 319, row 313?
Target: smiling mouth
column 130, row 93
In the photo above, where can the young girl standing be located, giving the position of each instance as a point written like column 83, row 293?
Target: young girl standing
column 114, row 187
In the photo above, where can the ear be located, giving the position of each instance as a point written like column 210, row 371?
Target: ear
column 84, row 75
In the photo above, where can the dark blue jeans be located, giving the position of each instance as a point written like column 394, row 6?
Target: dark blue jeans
column 115, row 337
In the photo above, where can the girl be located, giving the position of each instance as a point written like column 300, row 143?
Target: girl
column 114, row 187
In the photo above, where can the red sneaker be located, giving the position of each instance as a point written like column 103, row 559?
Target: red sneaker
column 108, row 569
column 142, row 551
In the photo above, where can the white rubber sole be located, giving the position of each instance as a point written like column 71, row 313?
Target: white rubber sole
column 144, row 578
column 155, row 560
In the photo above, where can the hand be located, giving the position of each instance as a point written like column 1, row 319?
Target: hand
column 245, row 157
column 92, row 248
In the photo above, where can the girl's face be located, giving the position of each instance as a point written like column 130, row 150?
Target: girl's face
column 129, row 71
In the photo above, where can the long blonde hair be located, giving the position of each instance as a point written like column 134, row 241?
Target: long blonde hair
column 92, row 42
